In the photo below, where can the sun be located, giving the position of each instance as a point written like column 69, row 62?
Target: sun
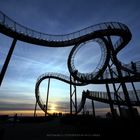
column 53, row 108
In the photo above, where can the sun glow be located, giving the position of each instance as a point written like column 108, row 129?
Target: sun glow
column 21, row 112
column 53, row 108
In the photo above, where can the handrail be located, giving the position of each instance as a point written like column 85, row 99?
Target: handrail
column 20, row 29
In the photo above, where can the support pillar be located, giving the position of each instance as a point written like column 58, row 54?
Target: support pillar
column 75, row 98
column 93, row 108
column 73, row 92
column 70, row 96
column 35, row 108
column 84, row 109
column 135, row 92
column 118, row 67
column 110, row 101
column 47, row 97
column 5, row 65
column 115, row 90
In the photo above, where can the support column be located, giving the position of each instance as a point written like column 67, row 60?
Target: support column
column 75, row 98
column 70, row 96
column 93, row 108
column 35, row 108
column 84, row 109
column 5, row 65
column 118, row 67
column 115, row 90
column 73, row 92
column 47, row 97
column 134, row 89
column 110, row 101
column 135, row 92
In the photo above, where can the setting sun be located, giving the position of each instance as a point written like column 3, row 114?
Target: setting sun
column 53, row 108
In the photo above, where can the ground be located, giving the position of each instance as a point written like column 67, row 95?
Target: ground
column 68, row 127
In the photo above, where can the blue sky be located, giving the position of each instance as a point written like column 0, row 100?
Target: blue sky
column 59, row 17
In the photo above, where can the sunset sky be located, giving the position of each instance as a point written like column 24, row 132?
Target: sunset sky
column 59, row 17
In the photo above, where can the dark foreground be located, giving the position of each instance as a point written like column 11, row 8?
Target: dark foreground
column 68, row 127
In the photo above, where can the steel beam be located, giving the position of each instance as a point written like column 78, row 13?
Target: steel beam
column 115, row 90
column 47, row 97
column 93, row 108
column 35, row 108
column 110, row 101
column 5, row 65
column 70, row 95
column 118, row 67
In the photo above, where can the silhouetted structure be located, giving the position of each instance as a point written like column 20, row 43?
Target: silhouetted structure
column 109, row 70
column 126, row 114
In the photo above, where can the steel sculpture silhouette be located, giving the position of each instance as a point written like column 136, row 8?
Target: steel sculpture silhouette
column 109, row 70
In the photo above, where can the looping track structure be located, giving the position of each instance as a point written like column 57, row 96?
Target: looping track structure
column 104, row 73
